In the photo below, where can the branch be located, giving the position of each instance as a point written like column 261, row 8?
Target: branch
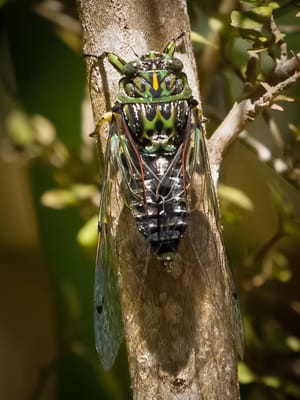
column 285, row 75
column 179, row 323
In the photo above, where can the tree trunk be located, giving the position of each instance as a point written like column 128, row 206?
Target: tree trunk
column 181, row 323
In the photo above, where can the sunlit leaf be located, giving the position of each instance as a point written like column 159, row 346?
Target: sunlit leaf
column 242, row 20
column 296, row 130
column 245, row 374
column 283, row 97
column 253, row 23
column 275, row 266
column 254, row 19
column 19, row 128
column 235, row 196
column 293, row 343
column 271, row 381
column 88, row 234
column 252, row 3
column 216, row 24
column 257, row 3
column 291, row 228
column 72, row 39
column 58, row 198
column 84, row 192
column 197, row 38
column 44, row 130
column 276, row 107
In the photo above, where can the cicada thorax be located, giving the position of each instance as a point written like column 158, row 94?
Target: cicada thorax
column 157, row 128
column 156, row 184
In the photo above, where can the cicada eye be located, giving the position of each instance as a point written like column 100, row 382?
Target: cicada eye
column 130, row 68
column 130, row 89
column 178, row 87
column 174, row 64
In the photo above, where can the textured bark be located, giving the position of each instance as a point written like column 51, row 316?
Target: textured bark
column 179, row 323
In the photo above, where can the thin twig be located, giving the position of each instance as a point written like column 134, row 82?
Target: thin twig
column 246, row 110
column 279, row 40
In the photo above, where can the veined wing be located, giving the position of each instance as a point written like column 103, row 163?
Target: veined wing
column 217, row 276
column 107, row 313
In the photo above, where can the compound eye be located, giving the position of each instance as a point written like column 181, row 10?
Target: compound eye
column 178, row 86
column 130, row 69
column 174, row 64
column 130, row 89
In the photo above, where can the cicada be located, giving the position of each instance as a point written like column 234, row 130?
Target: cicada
column 155, row 149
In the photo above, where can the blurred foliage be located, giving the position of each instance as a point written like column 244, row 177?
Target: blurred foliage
column 45, row 126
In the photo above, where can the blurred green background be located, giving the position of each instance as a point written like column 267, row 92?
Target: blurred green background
column 49, row 179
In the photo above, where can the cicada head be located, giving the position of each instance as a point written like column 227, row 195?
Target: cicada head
column 152, row 77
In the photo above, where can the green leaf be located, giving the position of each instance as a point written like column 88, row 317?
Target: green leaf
column 293, row 343
column 44, row 130
column 275, row 265
column 283, row 206
column 295, row 130
column 19, row 128
column 235, row 196
column 292, row 390
column 197, row 38
column 245, row 374
column 58, row 198
column 291, row 227
column 254, row 24
column 88, row 235
column 243, row 20
column 84, row 191
column 271, row 381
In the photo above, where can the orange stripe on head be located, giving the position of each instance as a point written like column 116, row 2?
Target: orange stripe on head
column 155, row 83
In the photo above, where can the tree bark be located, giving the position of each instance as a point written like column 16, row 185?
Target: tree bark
column 181, row 324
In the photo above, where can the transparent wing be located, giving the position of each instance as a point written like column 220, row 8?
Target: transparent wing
column 218, row 277
column 107, row 313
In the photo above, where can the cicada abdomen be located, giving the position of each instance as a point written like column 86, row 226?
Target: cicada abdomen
column 152, row 158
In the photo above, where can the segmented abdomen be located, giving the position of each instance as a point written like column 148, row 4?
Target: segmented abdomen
column 155, row 184
column 161, row 216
